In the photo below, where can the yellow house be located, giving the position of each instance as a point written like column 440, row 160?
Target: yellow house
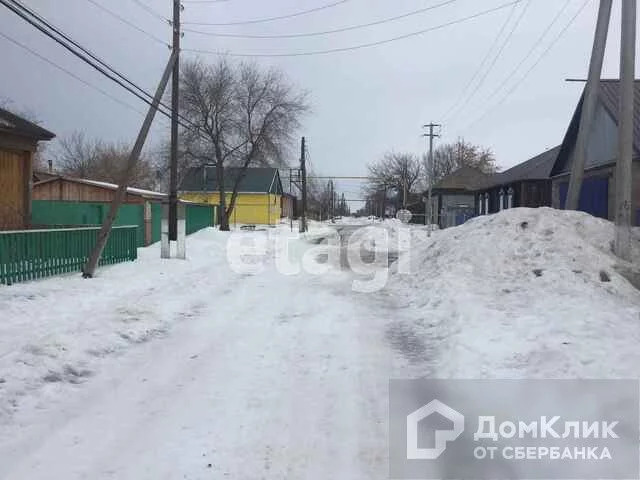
column 259, row 198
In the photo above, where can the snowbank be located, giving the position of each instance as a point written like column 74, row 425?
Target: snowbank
column 521, row 294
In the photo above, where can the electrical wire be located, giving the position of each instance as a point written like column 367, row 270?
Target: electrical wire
column 533, row 66
column 463, row 99
column 90, row 58
column 270, row 19
column 535, row 45
column 151, row 11
column 360, row 46
column 127, row 22
column 325, row 32
column 84, row 54
column 70, row 73
column 19, row 9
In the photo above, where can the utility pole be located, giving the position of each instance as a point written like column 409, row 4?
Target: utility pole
column 121, row 193
column 175, row 107
column 303, row 169
column 331, row 201
column 589, row 102
column 431, row 126
column 622, row 244
column 404, row 185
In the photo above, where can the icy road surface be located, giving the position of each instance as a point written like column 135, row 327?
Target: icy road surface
column 260, row 376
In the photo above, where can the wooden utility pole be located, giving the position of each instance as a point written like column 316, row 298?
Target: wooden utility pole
column 622, row 244
column 121, row 193
column 431, row 126
column 175, row 108
column 589, row 102
column 303, row 169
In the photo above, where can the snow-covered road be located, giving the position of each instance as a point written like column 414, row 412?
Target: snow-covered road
column 265, row 376
column 200, row 369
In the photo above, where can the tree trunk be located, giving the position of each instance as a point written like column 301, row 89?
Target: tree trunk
column 224, row 217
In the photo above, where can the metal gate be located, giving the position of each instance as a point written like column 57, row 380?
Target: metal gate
column 594, row 196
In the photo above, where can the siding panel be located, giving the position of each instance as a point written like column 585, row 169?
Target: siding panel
column 12, row 189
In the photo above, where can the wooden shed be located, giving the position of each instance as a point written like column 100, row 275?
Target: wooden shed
column 18, row 143
column 72, row 189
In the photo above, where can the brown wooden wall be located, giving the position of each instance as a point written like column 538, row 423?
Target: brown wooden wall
column 15, row 168
column 61, row 189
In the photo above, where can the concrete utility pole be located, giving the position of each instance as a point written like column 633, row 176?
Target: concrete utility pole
column 332, row 212
column 121, row 193
column 622, row 245
column 431, row 126
column 589, row 102
column 303, row 169
column 175, row 107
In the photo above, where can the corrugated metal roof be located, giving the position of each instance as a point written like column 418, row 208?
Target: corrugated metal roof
column 256, row 180
column 16, row 125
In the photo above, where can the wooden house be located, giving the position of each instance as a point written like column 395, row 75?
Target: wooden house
column 527, row 184
column 260, row 192
column 598, row 188
column 453, row 197
column 18, row 143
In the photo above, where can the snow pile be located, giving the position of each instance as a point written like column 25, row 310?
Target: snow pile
column 527, row 293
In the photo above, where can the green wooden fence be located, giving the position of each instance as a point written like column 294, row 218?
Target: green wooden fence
column 31, row 254
column 59, row 213
column 199, row 217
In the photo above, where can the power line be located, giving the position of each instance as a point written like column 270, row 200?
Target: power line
column 64, row 40
column 127, row 22
column 85, row 55
column 531, row 50
column 270, row 19
column 70, row 73
column 360, row 46
column 535, row 64
column 460, row 103
column 325, row 32
column 151, row 11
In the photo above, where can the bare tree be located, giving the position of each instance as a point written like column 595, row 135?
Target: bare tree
column 449, row 157
column 240, row 116
column 82, row 157
column 394, row 172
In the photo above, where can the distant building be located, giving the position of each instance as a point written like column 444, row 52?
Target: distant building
column 19, row 140
column 527, row 184
column 453, row 199
column 597, row 195
column 62, row 187
column 259, row 198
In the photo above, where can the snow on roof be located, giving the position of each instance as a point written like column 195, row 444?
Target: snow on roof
column 108, row 185
column 113, row 186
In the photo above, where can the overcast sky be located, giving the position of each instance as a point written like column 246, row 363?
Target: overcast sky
column 365, row 101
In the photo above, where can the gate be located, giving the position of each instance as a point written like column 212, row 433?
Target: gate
column 594, row 196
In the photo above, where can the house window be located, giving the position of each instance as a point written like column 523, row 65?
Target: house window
column 481, row 204
column 486, row 203
column 501, row 201
column 510, row 197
